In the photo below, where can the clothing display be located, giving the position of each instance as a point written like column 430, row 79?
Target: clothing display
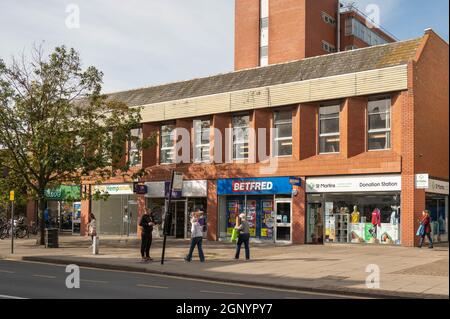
column 355, row 215
column 376, row 217
column 394, row 218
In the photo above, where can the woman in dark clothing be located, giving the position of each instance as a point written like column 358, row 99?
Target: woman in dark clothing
column 146, row 224
column 425, row 221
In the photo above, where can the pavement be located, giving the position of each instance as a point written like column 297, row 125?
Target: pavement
column 334, row 268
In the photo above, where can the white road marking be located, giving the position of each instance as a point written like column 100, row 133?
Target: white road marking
column 10, row 297
column 222, row 293
column 7, row 271
column 44, row 276
column 94, row 281
column 150, row 286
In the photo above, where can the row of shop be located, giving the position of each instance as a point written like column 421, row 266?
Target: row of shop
column 340, row 209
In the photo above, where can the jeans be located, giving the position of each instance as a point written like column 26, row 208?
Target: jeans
column 422, row 240
column 145, row 245
column 243, row 238
column 196, row 241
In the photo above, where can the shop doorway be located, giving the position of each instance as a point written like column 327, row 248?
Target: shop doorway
column 438, row 207
column 179, row 211
column 314, row 234
column 283, row 213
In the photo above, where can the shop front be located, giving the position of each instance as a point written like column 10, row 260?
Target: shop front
column 354, row 209
column 192, row 198
column 437, row 203
column 267, row 202
column 64, row 208
column 118, row 214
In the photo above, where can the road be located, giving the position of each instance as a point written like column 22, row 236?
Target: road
column 46, row 281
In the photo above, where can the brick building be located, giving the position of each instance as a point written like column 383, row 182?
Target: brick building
column 358, row 128
column 270, row 32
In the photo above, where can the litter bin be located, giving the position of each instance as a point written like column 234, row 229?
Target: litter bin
column 51, row 238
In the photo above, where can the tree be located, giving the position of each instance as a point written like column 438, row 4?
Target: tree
column 57, row 128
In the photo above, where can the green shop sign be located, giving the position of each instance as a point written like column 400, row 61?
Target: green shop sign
column 64, row 193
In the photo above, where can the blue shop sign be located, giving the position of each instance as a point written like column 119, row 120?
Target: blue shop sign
column 175, row 194
column 254, row 186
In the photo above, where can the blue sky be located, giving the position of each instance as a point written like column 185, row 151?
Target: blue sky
column 139, row 43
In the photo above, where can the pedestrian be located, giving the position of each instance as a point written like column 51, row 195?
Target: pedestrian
column 197, row 238
column 425, row 221
column 146, row 224
column 243, row 238
column 92, row 228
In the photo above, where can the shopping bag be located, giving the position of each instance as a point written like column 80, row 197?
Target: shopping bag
column 234, row 235
column 420, row 231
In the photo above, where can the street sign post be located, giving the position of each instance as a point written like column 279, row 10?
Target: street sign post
column 11, row 198
column 176, row 184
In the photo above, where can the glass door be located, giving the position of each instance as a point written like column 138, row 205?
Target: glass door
column 314, row 229
column 179, row 212
column 283, row 224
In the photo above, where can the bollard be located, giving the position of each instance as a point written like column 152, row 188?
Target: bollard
column 95, row 245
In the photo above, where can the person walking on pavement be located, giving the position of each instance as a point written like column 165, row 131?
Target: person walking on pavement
column 197, row 239
column 425, row 221
column 243, row 238
column 146, row 225
column 92, row 228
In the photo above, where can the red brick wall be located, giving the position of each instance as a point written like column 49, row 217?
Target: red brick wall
column 431, row 109
column 212, row 211
column 307, row 131
column 353, row 127
column 299, row 215
column 317, row 30
column 149, row 155
column 246, row 34
column 286, row 30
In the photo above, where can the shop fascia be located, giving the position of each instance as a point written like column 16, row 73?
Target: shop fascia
column 114, row 189
column 423, row 181
column 194, row 188
column 357, row 184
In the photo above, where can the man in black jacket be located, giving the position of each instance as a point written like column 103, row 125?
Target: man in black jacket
column 146, row 224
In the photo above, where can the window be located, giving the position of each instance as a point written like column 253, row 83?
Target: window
column 329, row 136
column 328, row 19
column 240, row 136
column 283, row 135
column 202, row 138
column 328, row 47
column 134, row 154
column 167, row 144
column 350, row 47
column 264, row 33
column 361, row 31
column 379, row 124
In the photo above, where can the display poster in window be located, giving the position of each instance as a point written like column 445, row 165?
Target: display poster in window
column 369, row 232
column 388, row 234
column 233, row 212
column 267, row 219
column 251, row 216
column 329, row 223
column 357, row 233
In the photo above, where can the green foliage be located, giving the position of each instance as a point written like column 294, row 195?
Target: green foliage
column 55, row 125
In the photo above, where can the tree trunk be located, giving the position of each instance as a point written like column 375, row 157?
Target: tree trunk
column 42, row 206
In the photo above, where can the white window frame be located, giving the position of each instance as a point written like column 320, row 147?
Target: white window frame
column 388, row 131
column 338, row 134
column 198, row 148
column 280, row 139
column 235, row 143
column 132, row 150
column 164, row 149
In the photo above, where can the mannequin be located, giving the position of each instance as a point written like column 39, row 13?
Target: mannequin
column 376, row 221
column 394, row 216
column 355, row 215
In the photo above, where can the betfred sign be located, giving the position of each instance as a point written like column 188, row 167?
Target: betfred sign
column 245, row 187
column 254, row 186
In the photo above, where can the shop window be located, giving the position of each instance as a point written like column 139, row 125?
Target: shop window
column 240, row 137
column 379, row 124
column 134, row 154
column 329, row 134
column 202, row 140
column 354, row 218
column 167, row 144
column 283, row 133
